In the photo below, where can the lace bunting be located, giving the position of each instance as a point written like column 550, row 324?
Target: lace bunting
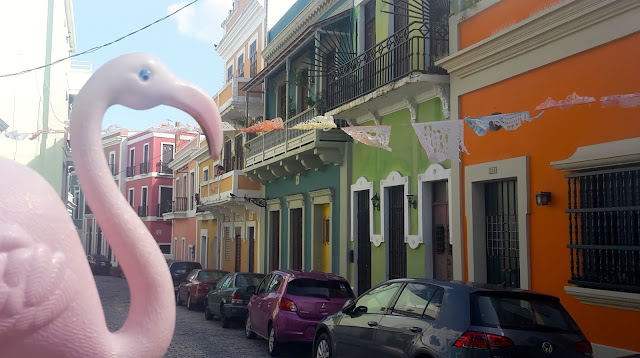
column 375, row 136
column 265, row 126
column 621, row 100
column 572, row 100
column 508, row 121
column 441, row 140
column 319, row 122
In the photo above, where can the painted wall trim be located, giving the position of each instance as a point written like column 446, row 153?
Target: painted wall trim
column 601, row 155
column 361, row 184
column 475, row 178
column 614, row 299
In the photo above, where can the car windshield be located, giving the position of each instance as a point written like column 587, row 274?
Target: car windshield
column 184, row 267
column 522, row 313
column 210, row 275
column 248, row 280
column 319, row 288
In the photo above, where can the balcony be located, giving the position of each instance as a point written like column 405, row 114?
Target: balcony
column 225, row 193
column 396, row 68
column 143, row 211
column 232, row 102
column 178, row 209
column 281, row 153
column 163, row 168
column 180, row 204
column 131, row 171
column 163, row 208
column 144, row 168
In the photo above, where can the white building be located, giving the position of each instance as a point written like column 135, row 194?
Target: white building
column 35, row 33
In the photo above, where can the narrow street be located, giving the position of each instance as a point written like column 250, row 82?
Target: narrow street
column 194, row 336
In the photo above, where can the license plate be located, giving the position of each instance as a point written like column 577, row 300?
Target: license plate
column 102, row 264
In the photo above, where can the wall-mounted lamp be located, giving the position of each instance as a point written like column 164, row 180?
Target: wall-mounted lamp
column 412, row 202
column 376, row 202
column 543, row 198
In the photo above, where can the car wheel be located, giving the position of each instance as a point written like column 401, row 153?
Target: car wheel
column 189, row 304
column 207, row 312
column 248, row 332
column 223, row 317
column 178, row 300
column 323, row 346
column 273, row 344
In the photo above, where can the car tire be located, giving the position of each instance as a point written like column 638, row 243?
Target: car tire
column 189, row 303
column 223, row 317
column 248, row 332
column 207, row 312
column 322, row 346
column 273, row 346
column 178, row 300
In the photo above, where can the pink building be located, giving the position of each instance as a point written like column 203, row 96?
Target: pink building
column 149, row 180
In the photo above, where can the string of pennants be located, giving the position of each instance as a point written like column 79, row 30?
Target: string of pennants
column 441, row 140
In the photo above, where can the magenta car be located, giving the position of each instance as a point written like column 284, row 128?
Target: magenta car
column 288, row 305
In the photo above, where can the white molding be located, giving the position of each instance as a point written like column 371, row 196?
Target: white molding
column 614, row 299
column 393, row 179
column 361, row 184
column 475, row 176
column 248, row 22
column 600, row 155
column 158, row 135
column 307, row 17
column 435, row 172
column 131, row 161
column 146, row 160
column 322, row 196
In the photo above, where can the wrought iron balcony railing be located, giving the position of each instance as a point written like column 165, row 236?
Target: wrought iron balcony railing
column 414, row 49
column 144, row 168
column 131, row 171
column 143, row 211
column 180, row 204
column 163, row 168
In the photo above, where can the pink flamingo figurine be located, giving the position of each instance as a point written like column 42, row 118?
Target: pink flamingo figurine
column 49, row 304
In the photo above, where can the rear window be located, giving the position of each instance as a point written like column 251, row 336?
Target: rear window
column 210, row 275
column 523, row 313
column 319, row 288
column 184, row 267
column 248, row 280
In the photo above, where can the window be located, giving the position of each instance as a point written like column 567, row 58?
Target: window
column 263, row 285
column 319, row 288
column 227, row 159
column 282, row 101
column 414, row 299
column 226, row 283
column 241, row 65
column 208, row 276
column 603, row 227
column 303, row 90
column 192, row 184
column 205, row 174
column 131, row 199
column 112, row 162
column 378, row 299
column 248, row 280
column 253, row 57
column 275, row 284
column 222, row 281
column 230, row 73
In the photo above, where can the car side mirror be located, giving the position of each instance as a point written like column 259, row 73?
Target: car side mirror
column 251, row 290
column 360, row 310
column 348, row 306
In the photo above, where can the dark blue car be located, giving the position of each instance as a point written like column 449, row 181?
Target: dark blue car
column 420, row 318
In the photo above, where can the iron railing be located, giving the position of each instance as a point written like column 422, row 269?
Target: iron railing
column 164, row 208
column 274, row 138
column 131, row 171
column 144, row 168
column 180, row 204
column 604, row 229
column 413, row 49
column 163, row 168
column 143, row 211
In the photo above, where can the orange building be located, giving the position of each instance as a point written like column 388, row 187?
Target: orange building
column 551, row 205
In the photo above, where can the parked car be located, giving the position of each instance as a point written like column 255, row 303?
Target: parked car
column 288, row 305
column 179, row 271
column 229, row 299
column 193, row 290
column 428, row 318
column 99, row 264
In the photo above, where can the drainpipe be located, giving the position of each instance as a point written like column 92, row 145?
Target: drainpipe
column 46, row 88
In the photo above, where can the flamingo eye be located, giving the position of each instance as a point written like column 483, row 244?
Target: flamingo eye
column 144, row 74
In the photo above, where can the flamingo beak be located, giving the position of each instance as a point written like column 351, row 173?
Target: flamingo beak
column 197, row 103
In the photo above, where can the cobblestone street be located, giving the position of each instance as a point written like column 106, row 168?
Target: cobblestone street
column 194, row 336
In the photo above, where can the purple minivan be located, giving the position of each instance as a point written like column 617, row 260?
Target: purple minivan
column 288, row 305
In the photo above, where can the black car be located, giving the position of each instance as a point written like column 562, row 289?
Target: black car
column 179, row 271
column 99, row 264
column 428, row 318
column 229, row 299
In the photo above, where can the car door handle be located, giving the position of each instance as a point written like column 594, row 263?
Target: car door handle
column 415, row 329
column 372, row 323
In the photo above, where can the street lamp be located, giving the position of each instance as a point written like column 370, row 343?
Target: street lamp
column 376, row 202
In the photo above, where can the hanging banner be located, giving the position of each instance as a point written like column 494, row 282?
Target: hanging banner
column 319, row 122
column 265, row 126
column 441, row 140
column 508, row 121
column 375, row 136
column 572, row 100
column 621, row 100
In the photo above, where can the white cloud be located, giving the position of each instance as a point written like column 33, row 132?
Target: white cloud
column 203, row 19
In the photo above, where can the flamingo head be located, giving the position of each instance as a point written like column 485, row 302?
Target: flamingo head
column 140, row 81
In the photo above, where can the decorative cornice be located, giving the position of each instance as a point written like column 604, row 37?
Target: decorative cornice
column 307, row 17
column 601, row 155
column 321, row 193
column 545, row 27
column 614, row 299
column 249, row 21
column 294, row 198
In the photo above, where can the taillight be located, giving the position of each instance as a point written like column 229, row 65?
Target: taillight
column 202, row 288
column 288, row 305
column 584, row 347
column 92, row 262
column 477, row 340
column 236, row 298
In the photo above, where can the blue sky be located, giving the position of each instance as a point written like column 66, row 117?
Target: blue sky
column 185, row 43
